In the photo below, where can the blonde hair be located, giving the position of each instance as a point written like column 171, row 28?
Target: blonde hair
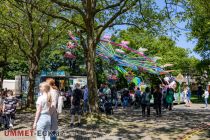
column 46, row 88
column 51, row 82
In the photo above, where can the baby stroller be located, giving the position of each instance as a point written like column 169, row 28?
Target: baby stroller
column 101, row 103
column 105, row 105
column 137, row 101
column 108, row 108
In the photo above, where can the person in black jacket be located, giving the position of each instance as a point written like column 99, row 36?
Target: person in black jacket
column 76, row 108
column 157, row 100
column 114, row 96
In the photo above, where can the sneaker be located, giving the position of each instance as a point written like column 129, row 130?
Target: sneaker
column 11, row 125
column 71, row 125
column 79, row 125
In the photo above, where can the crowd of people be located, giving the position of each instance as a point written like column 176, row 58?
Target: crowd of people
column 160, row 97
column 51, row 100
column 140, row 98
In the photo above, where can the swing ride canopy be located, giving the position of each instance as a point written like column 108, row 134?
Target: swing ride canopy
column 119, row 55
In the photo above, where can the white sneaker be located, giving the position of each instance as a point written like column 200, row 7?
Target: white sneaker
column 11, row 125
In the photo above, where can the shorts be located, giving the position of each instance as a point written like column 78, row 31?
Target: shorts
column 76, row 110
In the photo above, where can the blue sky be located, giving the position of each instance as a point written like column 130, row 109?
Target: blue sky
column 181, row 41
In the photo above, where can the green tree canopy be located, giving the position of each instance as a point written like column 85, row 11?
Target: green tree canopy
column 30, row 31
column 199, row 14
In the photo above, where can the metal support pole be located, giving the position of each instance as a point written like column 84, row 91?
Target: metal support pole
column 179, row 93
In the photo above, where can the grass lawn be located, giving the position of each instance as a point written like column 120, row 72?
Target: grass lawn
column 194, row 99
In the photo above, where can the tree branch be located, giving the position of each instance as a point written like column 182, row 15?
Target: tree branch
column 121, row 11
column 57, row 16
column 24, row 36
column 125, row 23
column 140, row 10
column 169, row 17
column 62, row 18
column 68, row 5
column 29, row 10
column 17, row 6
column 109, row 6
column 18, row 44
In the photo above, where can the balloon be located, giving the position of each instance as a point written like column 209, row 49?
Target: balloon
column 70, row 45
column 107, row 37
column 166, row 79
column 125, row 42
column 172, row 85
column 120, row 51
column 69, row 55
column 142, row 49
column 136, row 81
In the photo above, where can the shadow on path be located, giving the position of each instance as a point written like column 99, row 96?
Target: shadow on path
column 129, row 124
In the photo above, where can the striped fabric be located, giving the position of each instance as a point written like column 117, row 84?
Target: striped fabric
column 10, row 105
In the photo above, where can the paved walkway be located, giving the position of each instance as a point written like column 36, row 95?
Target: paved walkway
column 190, row 123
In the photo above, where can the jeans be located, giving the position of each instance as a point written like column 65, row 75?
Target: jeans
column 206, row 101
column 115, row 103
column 158, row 108
column 54, row 120
column 8, row 120
column 86, row 105
column 54, row 123
column 169, row 106
column 165, row 103
column 43, row 126
column 125, row 102
column 144, row 106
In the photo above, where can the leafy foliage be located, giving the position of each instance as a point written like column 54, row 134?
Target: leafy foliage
column 199, row 14
column 30, row 32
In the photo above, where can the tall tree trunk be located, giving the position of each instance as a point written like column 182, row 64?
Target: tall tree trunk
column 4, row 66
column 33, row 70
column 91, row 76
column 1, row 79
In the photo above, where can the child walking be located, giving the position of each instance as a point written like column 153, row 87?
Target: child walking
column 9, row 109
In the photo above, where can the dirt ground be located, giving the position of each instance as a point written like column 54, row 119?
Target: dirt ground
column 182, row 123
